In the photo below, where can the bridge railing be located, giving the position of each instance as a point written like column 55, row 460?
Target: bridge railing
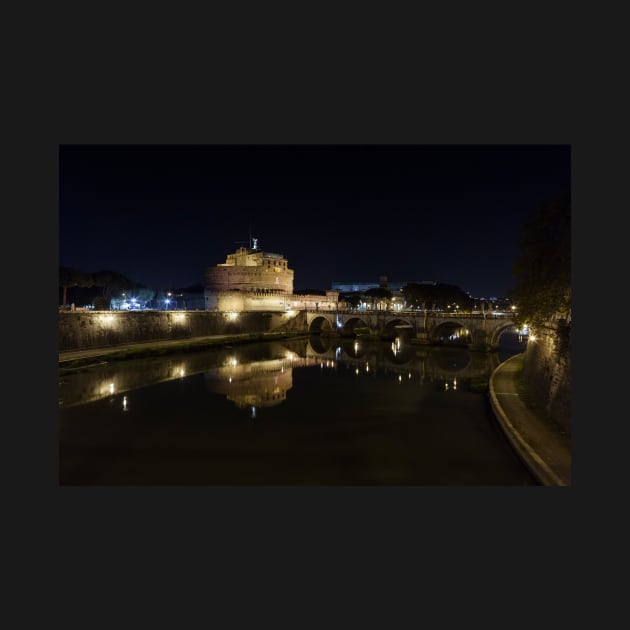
column 414, row 312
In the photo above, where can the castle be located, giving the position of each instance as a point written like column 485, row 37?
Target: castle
column 251, row 279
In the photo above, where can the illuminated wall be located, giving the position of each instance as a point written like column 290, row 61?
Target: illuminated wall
column 328, row 302
column 94, row 329
column 239, row 301
column 547, row 372
column 250, row 270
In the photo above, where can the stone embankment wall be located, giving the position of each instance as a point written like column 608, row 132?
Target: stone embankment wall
column 547, row 373
column 97, row 329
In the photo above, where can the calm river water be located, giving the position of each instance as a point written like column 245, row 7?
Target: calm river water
column 312, row 411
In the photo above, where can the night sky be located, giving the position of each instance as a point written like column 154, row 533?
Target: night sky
column 162, row 214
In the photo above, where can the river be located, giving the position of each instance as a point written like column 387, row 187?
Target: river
column 312, row 412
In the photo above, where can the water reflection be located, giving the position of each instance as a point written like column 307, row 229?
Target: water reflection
column 261, row 375
column 406, row 360
column 251, row 383
column 285, row 413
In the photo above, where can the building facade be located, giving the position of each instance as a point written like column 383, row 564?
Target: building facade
column 251, row 279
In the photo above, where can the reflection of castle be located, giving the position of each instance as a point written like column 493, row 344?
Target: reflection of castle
column 256, row 384
column 259, row 382
column 253, row 280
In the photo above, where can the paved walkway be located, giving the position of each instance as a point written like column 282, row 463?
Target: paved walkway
column 543, row 448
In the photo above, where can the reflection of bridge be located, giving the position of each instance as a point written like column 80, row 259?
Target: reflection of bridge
column 482, row 330
column 401, row 358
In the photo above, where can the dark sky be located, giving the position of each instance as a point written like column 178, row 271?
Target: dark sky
column 162, row 214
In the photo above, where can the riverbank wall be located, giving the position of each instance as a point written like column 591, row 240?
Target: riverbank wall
column 82, row 330
column 547, row 373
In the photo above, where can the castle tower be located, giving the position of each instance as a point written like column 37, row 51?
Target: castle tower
column 250, row 279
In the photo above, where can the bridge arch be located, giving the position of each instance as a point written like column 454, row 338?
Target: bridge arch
column 495, row 336
column 400, row 354
column 319, row 344
column 395, row 327
column 449, row 363
column 352, row 348
column 319, row 325
column 450, row 331
column 352, row 323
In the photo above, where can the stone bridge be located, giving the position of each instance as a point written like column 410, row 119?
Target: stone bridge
column 476, row 330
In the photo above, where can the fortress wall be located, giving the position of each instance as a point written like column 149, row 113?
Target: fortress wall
column 225, row 278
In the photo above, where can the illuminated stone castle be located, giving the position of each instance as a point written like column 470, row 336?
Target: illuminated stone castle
column 254, row 280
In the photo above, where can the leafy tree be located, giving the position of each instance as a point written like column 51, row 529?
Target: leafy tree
column 143, row 294
column 101, row 303
column 378, row 294
column 110, row 282
column 542, row 272
column 69, row 277
column 140, row 295
column 437, row 295
column 353, row 299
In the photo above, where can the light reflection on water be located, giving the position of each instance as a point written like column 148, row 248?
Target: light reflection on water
column 303, row 412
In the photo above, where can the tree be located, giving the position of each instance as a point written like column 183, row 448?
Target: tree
column 110, row 282
column 542, row 271
column 139, row 296
column 353, row 299
column 379, row 294
column 143, row 294
column 437, row 295
column 69, row 277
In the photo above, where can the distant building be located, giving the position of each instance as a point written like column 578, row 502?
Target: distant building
column 326, row 301
column 359, row 287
